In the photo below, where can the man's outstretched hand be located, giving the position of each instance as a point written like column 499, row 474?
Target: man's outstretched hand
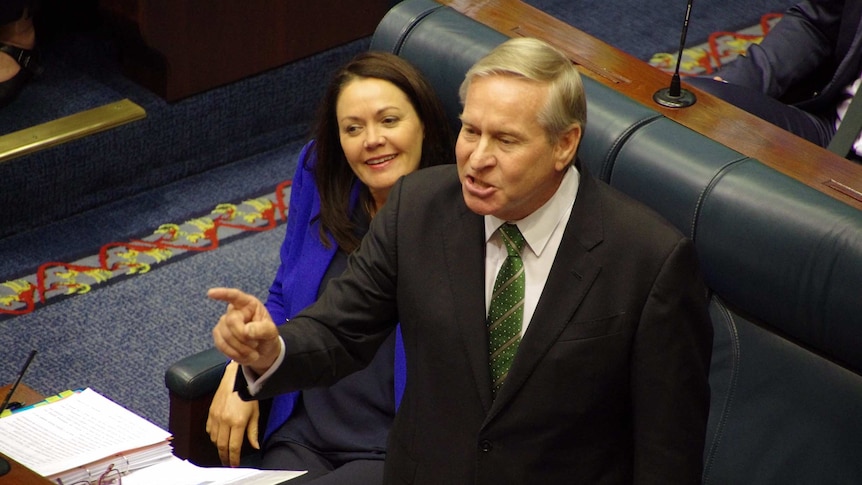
column 246, row 332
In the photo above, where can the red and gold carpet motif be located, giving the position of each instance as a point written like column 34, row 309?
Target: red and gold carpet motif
column 53, row 280
column 718, row 50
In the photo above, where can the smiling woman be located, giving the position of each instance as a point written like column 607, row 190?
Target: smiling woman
column 381, row 134
column 334, row 176
column 379, row 120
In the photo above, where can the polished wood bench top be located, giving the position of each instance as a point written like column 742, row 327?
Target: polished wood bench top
column 710, row 116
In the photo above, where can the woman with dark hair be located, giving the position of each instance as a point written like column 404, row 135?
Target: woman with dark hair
column 18, row 60
column 379, row 120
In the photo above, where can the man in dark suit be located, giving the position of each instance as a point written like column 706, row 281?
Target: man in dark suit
column 802, row 72
column 609, row 378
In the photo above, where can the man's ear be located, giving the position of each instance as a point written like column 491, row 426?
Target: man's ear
column 567, row 146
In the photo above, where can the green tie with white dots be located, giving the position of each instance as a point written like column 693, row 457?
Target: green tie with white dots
column 506, row 312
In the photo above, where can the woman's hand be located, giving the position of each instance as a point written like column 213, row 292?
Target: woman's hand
column 231, row 419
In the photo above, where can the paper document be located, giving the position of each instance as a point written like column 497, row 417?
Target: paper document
column 82, row 431
column 179, row 472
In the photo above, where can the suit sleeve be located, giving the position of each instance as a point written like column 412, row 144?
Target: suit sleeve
column 340, row 333
column 670, row 374
column 802, row 41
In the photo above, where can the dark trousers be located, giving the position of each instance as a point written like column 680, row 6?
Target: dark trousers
column 816, row 129
column 321, row 470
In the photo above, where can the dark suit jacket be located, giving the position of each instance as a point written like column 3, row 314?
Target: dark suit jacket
column 808, row 58
column 610, row 381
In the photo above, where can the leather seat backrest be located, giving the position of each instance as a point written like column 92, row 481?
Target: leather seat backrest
column 789, row 255
column 670, row 168
column 779, row 413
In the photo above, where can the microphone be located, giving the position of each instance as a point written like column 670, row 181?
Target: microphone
column 675, row 96
column 17, row 381
column 5, row 466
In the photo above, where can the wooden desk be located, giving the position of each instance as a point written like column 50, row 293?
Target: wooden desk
column 19, row 474
column 710, row 116
column 178, row 48
column 23, row 393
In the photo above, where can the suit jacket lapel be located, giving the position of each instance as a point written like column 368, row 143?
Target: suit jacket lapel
column 465, row 263
column 849, row 42
column 571, row 276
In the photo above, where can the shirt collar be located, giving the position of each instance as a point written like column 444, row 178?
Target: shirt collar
column 538, row 226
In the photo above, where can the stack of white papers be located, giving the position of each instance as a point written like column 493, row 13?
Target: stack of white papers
column 80, row 436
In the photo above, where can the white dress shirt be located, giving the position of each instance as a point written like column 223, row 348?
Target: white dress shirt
column 842, row 110
column 543, row 231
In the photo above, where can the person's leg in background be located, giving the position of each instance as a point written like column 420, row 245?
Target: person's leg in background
column 816, row 129
column 321, row 470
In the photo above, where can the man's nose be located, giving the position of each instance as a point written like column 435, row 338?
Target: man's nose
column 482, row 155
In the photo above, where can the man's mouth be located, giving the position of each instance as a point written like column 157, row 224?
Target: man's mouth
column 477, row 187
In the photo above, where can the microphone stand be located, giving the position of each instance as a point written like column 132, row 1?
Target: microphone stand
column 5, row 467
column 675, row 96
column 17, row 381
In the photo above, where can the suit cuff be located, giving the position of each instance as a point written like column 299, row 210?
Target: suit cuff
column 255, row 382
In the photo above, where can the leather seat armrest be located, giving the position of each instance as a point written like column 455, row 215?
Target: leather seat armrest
column 196, row 375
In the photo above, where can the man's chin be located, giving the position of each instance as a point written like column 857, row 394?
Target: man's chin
column 480, row 206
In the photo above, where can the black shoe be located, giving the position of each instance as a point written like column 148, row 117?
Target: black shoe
column 30, row 65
